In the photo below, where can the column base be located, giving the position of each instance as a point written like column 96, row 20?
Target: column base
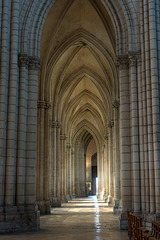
column 44, row 206
column 116, row 209
column 110, row 201
column 14, row 220
column 54, row 202
column 58, row 202
column 123, row 221
column 65, row 200
column 69, row 198
column 148, row 218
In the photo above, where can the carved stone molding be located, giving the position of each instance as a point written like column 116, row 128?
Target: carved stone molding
column 111, row 124
column 123, row 62
column 133, row 57
column 106, row 136
column 27, row 61
column 68, row 145
column 116, row 103
column 132, row 61
column 43, row 105
column 34, row 63
column 23, row 60
column 63, row 136
column 53, row 124
column 58, row 124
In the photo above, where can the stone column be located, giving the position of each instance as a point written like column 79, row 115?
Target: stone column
column 11, row 152
column 53, row 164
column 69, row 170
column 33, row 214
column 73, row 172
column 4, row 72
column 58, row 170
column 22, row 123
column 40, row 157
column 64, row 168
column 110, row 197
column 84, row 175
column 142, row 105
column 155, row 97
column 47, row 163
column 106, row 168
column 77, row 179
column 63, row 178
column 105, row 171
column 134, row 134
column 61, row 167
column 100, row 156
column 116, row 155
column 125, row 159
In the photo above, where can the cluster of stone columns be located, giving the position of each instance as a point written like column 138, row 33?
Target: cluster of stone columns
column 18, row 183
column 57, row 170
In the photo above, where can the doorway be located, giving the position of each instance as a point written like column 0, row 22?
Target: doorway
column 94, row 174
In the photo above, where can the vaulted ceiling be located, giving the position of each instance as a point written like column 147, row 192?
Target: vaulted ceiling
column 78, row 74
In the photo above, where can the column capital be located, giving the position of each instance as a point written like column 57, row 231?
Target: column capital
column 34, row 63
column 43, row 105
column 133, row 57
column 63, row 136
column 116, row 103
column 111, row 124
column 58, row 124
column 53, row 124
column 122, row 61
column 23, row 60
column 68, row 145
column 106, row 136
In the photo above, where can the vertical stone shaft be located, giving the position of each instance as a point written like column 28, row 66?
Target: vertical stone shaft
column 142, row 108
column 105, row 170
column 134, row 134
column 4, row 63
column 47, row 165
column 69, row 169
column 84, row 174
column 107, row 166
column 22, row 123
column 155, row 98
column 77, row 178
column 31, row 131
column 53, row 125
column 62, row 167
column 12, row 108
column 100, row 159
column 116, row 151
column 58, row 161
column 110, row 125
column 151, row 188
column 54, row 159
column 73, row 173
column 146, row 92
column 40, row 154
column 126, row 195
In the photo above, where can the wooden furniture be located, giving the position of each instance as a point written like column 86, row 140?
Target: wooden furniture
column 156, row 229
column 135, row 229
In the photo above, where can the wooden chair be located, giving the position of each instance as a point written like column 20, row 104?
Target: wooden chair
column 156, row 229
column 135, row 229
column 129, row 224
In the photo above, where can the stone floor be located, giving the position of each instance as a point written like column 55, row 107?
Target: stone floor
column 80, row 219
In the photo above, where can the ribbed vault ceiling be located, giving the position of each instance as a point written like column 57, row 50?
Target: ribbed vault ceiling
column 78, row 72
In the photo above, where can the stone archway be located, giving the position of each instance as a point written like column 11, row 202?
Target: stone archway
column 81, row 89
column 79, row 81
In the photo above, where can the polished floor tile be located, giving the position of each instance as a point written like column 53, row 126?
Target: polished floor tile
column 79, row 219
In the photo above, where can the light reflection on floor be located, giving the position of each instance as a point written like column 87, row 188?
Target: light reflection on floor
column 79, row 219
